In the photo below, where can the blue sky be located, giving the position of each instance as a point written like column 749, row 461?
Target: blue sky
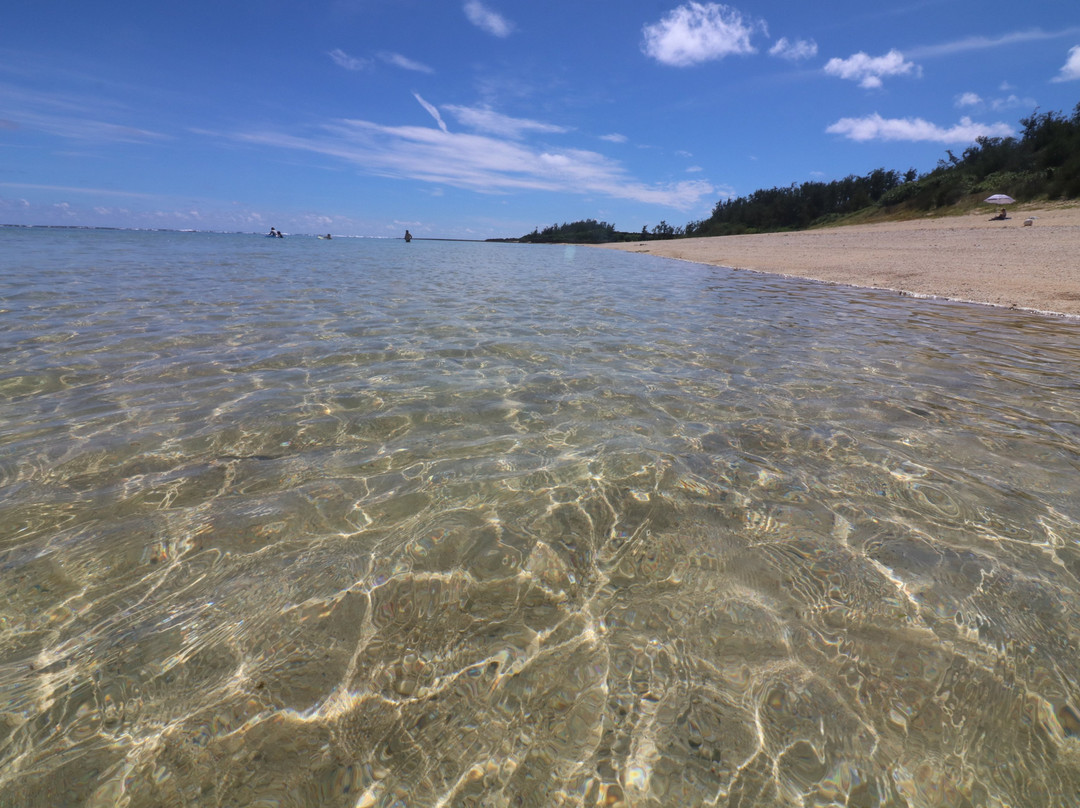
column 481, row 118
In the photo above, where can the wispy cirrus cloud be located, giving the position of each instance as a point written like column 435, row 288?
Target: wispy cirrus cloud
column 405, row 63
column 794, row 51
column 71, row 189
column 71, row 116
column 700, row 32
column 976, row 43
column 477, row 162
column 485, row 119
column 875, row 127
column 342, row 59
column 487, row 20
column 432, row 111
column 869, row 70
column 88, row 129
column 358, row 63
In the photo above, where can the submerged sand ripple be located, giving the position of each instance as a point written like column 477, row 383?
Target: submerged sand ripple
column 539, row 531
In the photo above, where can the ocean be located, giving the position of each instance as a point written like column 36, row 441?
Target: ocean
column 291, row 522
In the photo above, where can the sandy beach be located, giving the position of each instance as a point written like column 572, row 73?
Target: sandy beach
column 1002, row 263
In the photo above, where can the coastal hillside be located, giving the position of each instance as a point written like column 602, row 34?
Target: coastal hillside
column 1042, row 163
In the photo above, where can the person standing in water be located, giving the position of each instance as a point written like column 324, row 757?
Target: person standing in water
column 408, row 236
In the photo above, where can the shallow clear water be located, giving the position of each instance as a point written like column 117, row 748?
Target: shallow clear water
column 359, row 523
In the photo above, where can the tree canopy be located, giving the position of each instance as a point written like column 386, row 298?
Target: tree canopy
column 588, row 231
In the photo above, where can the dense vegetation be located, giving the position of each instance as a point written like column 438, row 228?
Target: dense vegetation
column 1042, row 163
column 588, row 231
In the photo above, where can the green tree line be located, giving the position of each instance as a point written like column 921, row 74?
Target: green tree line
column 587, row 231
column 1043, row 162
column 590, row 231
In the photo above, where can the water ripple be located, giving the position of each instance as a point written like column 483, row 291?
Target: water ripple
column 494, row 525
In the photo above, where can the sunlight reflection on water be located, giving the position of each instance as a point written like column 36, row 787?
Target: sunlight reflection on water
column 360, row 523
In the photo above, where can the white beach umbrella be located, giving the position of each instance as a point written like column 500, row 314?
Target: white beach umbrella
column 999, row 199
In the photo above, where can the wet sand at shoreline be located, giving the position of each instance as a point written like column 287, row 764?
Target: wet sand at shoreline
column 1002, row 263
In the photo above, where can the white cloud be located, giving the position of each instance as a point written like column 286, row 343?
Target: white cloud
column 487, row 20
column 397, row 60
column 432, row 111
column 794, row 51
column 483, row 119
column 874, row 127
column 869, row 70
column 1013, row 101
column 1071, row 70
column 615, row 137
column 696, row 33
column 342, row 59
column 480, row 163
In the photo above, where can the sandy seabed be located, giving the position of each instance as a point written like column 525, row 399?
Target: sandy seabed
column 1002, row 263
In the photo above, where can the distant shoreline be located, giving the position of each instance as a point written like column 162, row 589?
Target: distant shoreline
column 240, row 232
column 966, row 258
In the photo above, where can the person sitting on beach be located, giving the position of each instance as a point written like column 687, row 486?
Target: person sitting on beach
column 1001, row 216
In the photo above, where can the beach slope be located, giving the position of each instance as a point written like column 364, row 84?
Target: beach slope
column 1002, row 263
